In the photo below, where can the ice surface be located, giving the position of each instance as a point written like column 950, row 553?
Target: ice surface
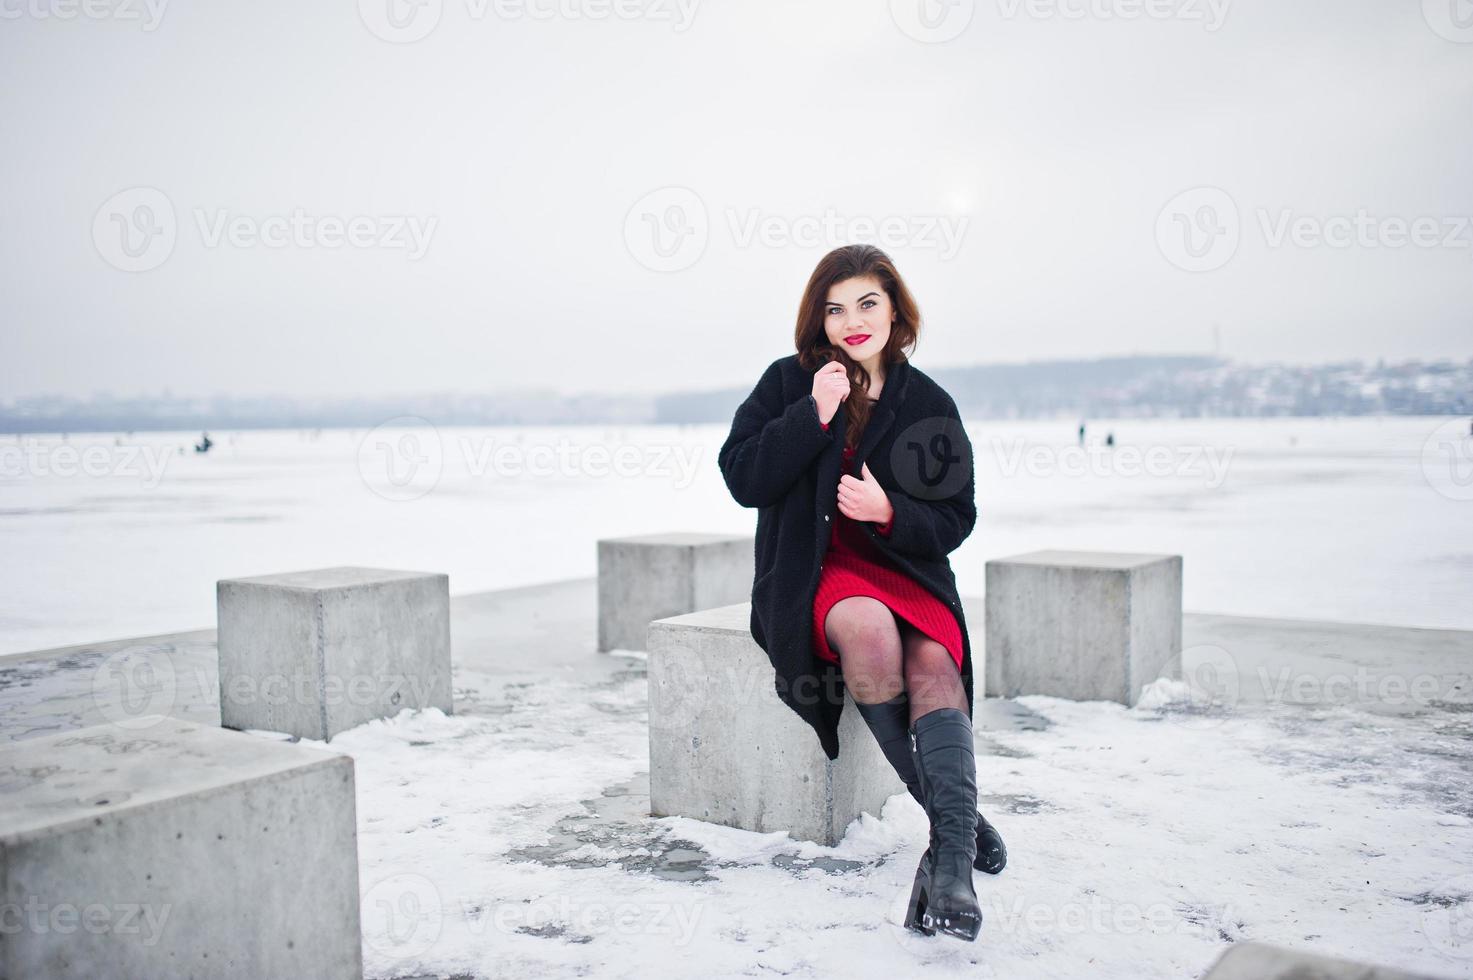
column 1310, row 518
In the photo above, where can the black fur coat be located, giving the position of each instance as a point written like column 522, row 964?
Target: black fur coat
column 780, row 460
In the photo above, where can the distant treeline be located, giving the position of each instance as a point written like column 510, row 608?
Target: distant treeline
column 1121, row 387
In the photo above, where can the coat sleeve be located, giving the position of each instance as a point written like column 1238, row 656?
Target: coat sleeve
column 770, row 444
column 933, row 529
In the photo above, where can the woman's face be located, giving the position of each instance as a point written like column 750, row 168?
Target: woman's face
column 857, row 317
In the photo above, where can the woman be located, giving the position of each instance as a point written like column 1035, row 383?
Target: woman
column 858, row 510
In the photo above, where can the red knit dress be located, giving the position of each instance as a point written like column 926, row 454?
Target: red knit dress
column 854, row 566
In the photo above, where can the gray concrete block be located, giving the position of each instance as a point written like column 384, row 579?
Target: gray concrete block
column 174, row 849
column 724, row 749
column 1261, row 961
column 653, row 576
column 316, row 652
column 1082, row 625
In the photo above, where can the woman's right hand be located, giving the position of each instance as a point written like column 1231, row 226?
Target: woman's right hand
column 830, row 387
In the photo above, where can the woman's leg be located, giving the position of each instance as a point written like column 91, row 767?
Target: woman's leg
column 863, row 630
column 931, row 676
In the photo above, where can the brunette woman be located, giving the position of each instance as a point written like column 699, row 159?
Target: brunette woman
column 862, row 473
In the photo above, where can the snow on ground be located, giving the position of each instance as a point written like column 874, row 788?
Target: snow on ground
column 512, row 839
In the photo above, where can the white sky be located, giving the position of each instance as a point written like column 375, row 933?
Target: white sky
column 1059, row 139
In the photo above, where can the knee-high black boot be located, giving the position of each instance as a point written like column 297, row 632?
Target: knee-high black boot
column 945, row 762
column 890, row 723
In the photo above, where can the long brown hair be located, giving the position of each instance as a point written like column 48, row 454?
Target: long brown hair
column 814, row 349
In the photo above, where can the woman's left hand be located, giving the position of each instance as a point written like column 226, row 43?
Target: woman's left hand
column 861, row 498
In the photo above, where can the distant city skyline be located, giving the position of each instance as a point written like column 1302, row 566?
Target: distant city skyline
column 1138, row 387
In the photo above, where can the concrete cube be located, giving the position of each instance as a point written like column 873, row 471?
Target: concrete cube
column 652, row 576
column 173, row 849
column 316, row 652
column 724, row 749
column 1082, row 625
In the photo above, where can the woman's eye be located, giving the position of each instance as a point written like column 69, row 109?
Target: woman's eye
column 868, row 303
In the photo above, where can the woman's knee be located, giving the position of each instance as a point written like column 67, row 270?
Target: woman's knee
column 867, row 625
column 864, row 631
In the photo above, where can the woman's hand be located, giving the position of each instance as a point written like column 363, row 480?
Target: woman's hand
column 830, row 387
column 862, row 498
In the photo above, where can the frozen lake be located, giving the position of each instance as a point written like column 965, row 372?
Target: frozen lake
column 105, row 535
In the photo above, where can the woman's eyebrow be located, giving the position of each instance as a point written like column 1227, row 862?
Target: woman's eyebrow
column 861, row 299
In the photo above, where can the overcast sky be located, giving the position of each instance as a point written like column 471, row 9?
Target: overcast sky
column 474, row 195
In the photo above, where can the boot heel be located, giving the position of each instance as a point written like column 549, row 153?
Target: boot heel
column 915, row 909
